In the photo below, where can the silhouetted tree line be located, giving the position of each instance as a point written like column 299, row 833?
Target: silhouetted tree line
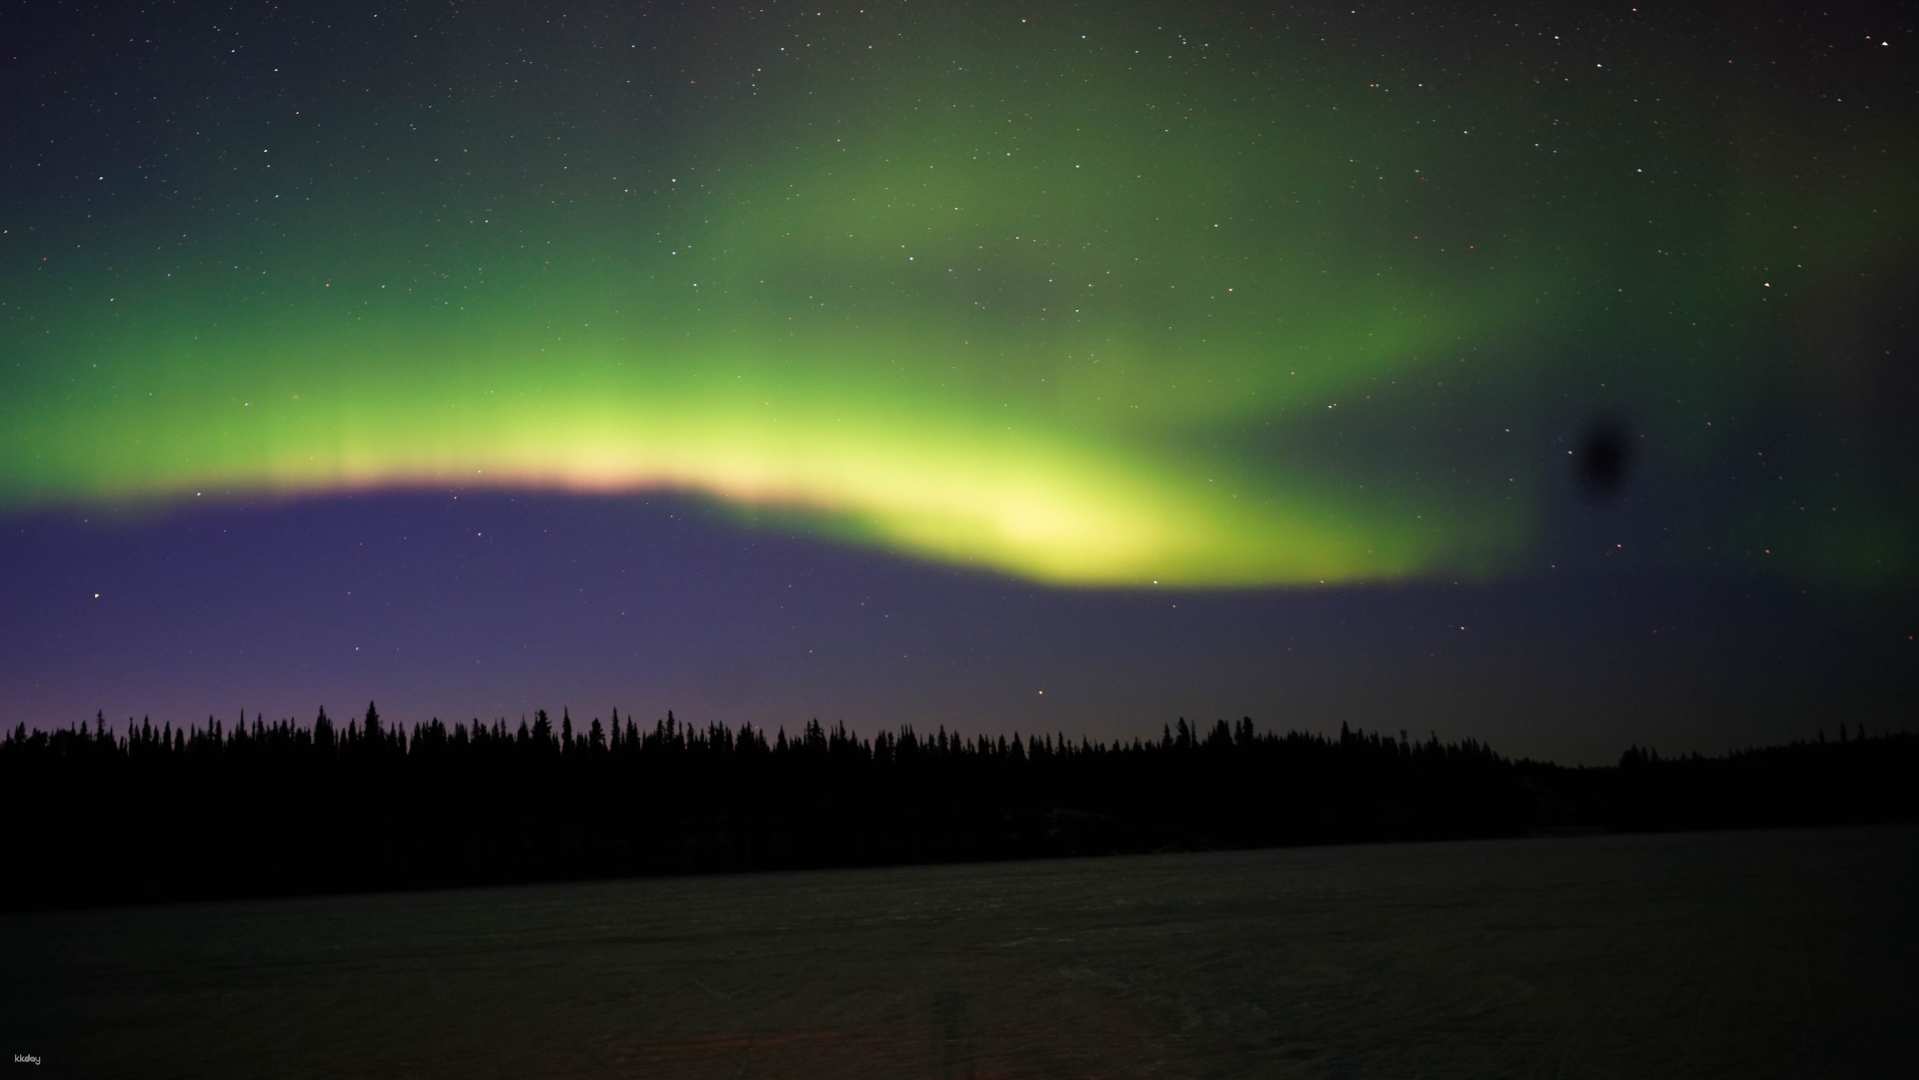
column 151, row 813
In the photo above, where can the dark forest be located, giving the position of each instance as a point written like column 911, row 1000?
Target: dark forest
column 161, row 813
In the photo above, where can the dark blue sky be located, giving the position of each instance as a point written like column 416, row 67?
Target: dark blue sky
column 915, row 309
column 494, row 605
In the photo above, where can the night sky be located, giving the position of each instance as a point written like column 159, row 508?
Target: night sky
column 1488, row 370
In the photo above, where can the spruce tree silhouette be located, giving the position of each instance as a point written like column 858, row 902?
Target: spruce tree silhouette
column 385, row 806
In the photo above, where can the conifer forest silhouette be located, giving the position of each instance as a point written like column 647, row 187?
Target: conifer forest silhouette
column 148, row 813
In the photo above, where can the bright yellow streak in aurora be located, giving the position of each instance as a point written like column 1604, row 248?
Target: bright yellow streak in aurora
column 1010, row 496
column 1082, row 309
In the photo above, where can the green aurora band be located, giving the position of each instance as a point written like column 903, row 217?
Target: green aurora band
column 1125, row 309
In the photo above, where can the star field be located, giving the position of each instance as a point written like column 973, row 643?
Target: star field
column 1154, row 298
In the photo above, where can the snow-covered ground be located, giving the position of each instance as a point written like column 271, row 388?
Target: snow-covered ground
column 1729, row 954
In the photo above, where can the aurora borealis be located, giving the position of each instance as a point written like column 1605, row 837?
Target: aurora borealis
column 1264, row 299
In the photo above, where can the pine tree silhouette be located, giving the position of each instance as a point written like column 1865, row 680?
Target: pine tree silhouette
column 688, row 798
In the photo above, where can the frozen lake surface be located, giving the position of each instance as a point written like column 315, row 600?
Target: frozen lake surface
column 1729, row 954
